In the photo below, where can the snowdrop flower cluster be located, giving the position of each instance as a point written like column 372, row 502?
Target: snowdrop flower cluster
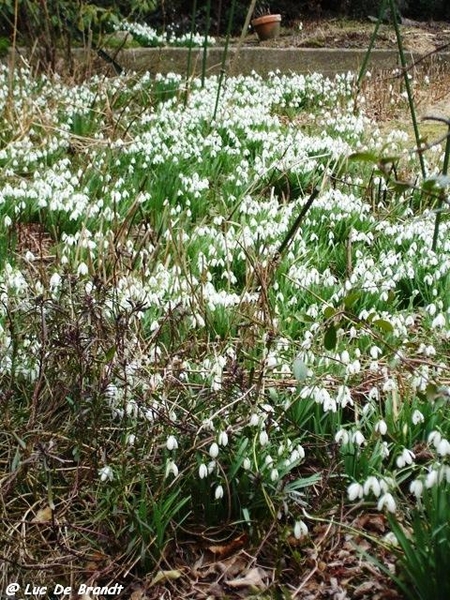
column 188, row 249
column 147, row 36
column 377, row 487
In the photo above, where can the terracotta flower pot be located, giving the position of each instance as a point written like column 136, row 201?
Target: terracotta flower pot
column 267, row 27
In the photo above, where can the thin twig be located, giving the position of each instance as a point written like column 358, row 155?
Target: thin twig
column 293, row 230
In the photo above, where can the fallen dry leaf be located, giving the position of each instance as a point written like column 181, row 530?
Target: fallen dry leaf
column 43, row 515
column 230, row 567
column 95, row 561
column 165, row 576
column 225, row 550
column 368, row 587
column 138, row 594
column 371, row 522
column 253, row 579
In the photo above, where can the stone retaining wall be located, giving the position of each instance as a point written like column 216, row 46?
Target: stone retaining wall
column 260, row 60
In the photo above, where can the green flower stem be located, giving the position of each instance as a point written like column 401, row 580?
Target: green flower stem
column 363, row 69
column 205, row 43
column 224, row 56
column 244, row 32
column 189, row 57
column 408, row 87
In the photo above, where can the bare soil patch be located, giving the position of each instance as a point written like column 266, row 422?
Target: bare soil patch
column 421, row 37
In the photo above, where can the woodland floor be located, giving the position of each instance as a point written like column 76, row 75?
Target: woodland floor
column 332, row 563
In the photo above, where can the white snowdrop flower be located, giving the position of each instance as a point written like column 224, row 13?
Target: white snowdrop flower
column 354, row 491
column 216, row 384
column 218, row 494
column 372, row 484
column 274, row 475
column 434, row 438
column 353, row 368
column 409, row 321
column 199, row 321
column 387, row 501
column 149, row 414
column 358, row 438
column 268, row 460
column 381, row 427
column 246, row 464
column 214, row 450
column 416, row 488
column 375, row 352
column 254, row 420
column 208, row 424
column 271, row 361
column 374, row 393
column 171, row 443
column 438, row 321
column 342, row 437
column 39, row 288
column 154, row 326
column 223, row 438
column 389, row 385
column 431, row 479
column 203, row 471
column 300, row 529
column 417, row 417
column 384, row 450
column 106, row 474
column 263, row 437
column 296, row 454
column 391, row 539
column 131, row 439
column 329, row 403
column 267, row 408
column 171, row 467
column 344, row 396
column 83, row 269
column 406, row 458
column 431, row 309
column 345, row 357
column 443, row 448
column 7, row 221
column 55, row 281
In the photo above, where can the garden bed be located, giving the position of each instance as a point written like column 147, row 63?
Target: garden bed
column 224, row 336
column 338, row 33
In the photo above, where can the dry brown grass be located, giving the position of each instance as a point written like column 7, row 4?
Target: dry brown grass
column 384, row 94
